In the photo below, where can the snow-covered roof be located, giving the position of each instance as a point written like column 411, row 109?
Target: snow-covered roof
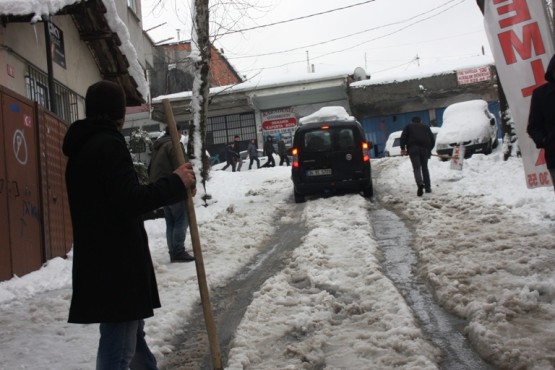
column 436, row 69
column 266, row 83
column 38, row 8
column 327, row 114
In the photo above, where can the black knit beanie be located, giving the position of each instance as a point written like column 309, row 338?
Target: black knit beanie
column 105, row 99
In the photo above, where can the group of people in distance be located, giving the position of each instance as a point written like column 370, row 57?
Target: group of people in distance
column 233, row 157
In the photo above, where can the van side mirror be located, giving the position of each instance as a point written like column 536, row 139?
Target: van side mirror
column 492, row 121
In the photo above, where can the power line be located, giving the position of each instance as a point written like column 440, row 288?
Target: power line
column 376, row 38
column 294, row 19
column 394, row 32
column 352, row 34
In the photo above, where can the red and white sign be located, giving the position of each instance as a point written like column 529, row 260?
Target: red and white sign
column 473, row 75
column 520, row 38
column 279, row 119
column 279, row 124
column 10, row 70
column 457, row 157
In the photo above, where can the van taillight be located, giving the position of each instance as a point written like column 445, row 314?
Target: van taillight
column 365, row 152
column 295, row 155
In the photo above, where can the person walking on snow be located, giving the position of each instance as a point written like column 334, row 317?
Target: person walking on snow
column 162, row 163
column 541, row 119
column 417, row 140
column 113, row 277
column 238, row 148
column 269, row 151
column 282, row 152
column 230, row 157
column 253, row 154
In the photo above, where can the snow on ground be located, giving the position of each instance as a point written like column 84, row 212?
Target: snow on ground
column 484, row 240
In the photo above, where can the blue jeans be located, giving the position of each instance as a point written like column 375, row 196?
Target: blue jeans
column 122, row 346
column 177, row 222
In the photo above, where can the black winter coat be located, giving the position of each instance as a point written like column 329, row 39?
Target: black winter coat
column 113, row 275
column 541, row 120
column 417, row 135
column 269, row 147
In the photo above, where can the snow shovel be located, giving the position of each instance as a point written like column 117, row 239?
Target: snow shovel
column 195, row 239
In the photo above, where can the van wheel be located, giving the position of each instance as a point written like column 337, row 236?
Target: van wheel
column 495, row 143
column 299, row 198
column 369, row 190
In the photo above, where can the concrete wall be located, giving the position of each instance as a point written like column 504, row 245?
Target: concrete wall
column 416, row 95
column 23, row 42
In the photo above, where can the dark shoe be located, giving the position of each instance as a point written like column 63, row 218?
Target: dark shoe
column 428, row 190
column 420, row 191
column 182, row 257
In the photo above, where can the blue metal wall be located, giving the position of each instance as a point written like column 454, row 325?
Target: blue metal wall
column 377, row 129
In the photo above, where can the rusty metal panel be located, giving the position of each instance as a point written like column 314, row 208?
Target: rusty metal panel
column 23, row 190
column 5, row 253
column 56, row 209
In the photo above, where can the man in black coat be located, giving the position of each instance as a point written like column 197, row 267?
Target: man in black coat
column 417, row 140
column 541, row 120
column 269, row 150
column 113, row 277
column 238, row 148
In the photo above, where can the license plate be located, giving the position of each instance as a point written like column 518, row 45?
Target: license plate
column 323, row 172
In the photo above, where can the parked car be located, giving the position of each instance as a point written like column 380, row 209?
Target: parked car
column 393, row 143
column 470, row 124
column 330, row 153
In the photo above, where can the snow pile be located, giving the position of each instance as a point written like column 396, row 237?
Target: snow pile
column 327, row 114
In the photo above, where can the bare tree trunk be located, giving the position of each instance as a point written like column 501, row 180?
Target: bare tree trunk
column 202, row 84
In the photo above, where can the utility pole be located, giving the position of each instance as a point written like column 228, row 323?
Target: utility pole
column 307, row 62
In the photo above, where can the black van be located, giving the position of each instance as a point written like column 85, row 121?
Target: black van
column 330, row 155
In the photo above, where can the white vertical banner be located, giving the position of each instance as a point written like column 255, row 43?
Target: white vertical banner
column 457, row 157
column 520, row 39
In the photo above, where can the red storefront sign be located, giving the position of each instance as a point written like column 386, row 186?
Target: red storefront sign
column 278, row 124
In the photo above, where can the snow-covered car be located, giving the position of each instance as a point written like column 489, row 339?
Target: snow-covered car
column 393, row 143
column 470, row 124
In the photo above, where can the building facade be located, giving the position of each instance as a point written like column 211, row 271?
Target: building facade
column 47, row 63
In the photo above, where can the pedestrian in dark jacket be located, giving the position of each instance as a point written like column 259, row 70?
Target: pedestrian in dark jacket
column 282, row 152
column 238, row 148
column 163, row 161
column 113, row 277
column 269, row 150
column 230, row 157
column 541, row 119
column 253, row 154
column 417, row 140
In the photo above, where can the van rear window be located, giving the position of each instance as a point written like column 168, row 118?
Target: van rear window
column 345, row 139
column 326, row 140
column 317, row 141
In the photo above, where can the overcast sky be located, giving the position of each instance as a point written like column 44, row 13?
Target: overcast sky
column 377, row 35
